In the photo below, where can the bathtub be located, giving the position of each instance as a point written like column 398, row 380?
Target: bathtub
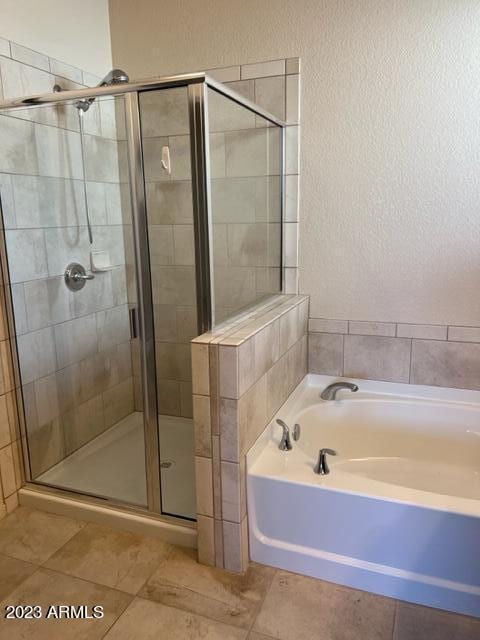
column 399, row 512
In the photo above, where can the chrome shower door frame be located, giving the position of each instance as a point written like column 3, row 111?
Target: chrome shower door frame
column 196, row 85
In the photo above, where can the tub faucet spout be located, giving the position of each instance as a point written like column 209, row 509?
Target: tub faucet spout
column 321, row 468
column 330, row 392
column 285, row 442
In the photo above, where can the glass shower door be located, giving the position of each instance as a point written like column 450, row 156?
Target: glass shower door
column 65, row 199
column 165, row 135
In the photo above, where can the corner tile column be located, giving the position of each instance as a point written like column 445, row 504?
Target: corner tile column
column 242, row 374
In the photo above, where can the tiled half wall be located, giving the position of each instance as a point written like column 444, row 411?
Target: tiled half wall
column 439, row 355
column 242, row 373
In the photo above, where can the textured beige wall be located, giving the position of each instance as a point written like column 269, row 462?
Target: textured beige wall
column 390, row 228
column 74, row 31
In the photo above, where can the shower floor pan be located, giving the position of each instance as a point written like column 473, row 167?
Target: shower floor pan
column 113, row 465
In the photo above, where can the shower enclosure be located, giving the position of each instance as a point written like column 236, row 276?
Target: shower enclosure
column 136, row 217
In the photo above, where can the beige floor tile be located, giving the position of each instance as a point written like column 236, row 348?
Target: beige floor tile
column 227, row 597
column 47, row 588
column 12, row 573
column 258, row 636
column 300, row 608
column 33, row 536
column 116, row 559
column 422, row 623
column 147, row 620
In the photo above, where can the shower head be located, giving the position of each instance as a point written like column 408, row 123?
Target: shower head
column 115, row 76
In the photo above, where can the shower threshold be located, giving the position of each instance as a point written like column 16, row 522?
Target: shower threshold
column 112, row 465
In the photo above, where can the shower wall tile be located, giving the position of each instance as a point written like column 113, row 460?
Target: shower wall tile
column 23, row 80
column 270, row 95
column 7, row 203
column 161, row 245
column 292, row 115
column 263, row 69
column 169, row 202
column 225, row 74
column 173, row 285
column 173, row 361
column 234, row 200
column 59, row 152
column 101, row 159
column 19, row 152
column 113, row 327
column 82, row 424
column 75, row 340
column 168, row 393
column 245, row 88
column 97, row 204
column 42, row 202
column 164, row 113
column 117, row 204
column 292, row 155
column 180, row 154
column 217, row 155
column 253, row 152
column 110, row 238
column 226, row 115
column 63, row 246
column 37, row 354
column 29, row 57
column 27, row 254
column 186, row 399
column 112, row 112
column 60, row 68
column 118, row 402
column 291, row 198
column 98, row 294
column 184, row 247
column 47, row 302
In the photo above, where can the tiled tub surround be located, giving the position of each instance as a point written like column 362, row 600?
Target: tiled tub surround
column 74, row 348
column 438, row 355
column 242, row 374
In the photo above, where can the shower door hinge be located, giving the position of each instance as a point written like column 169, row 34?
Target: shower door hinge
column 133, row 323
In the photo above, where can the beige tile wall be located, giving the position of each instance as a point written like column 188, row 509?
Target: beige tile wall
column 438, row 355
column 242, row 373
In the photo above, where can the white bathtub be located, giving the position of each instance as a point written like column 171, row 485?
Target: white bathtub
column 399, row 513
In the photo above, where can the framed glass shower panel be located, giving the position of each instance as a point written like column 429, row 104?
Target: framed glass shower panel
column 66, row 199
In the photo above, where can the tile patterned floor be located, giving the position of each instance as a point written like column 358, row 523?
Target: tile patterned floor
column 153, row 590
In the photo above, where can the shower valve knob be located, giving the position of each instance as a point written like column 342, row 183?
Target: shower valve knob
column 76, row 276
